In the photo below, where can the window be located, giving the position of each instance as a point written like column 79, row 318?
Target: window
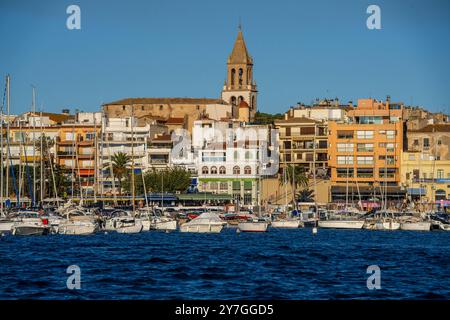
column 247, row 170
column 412, row 157
column 365, row 147
column 213, row 170
column 222, row 170
column 248, row 155
column 345, row 160
column 205, row 170
column 345, row 147
column 365, row 160
column 387, row 159
column 213, row 186
column 236, row 155
column 345, row 134
column 390, row 134
column 416, row 142
column 387, row 173
column 236, row 170
column 364, row 134
column 70, row 136
column 426, row 142
column 241, row 72
column 232, row 76
column 364, row 173
column 224, row 186
column 440, row 174
column 370, row 120
column 345, row 172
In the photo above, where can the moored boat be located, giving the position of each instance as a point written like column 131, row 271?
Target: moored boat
column 29, row 223
column 254, row 225
column 207, row 222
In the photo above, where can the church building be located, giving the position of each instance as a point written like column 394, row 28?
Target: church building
column 239, row 87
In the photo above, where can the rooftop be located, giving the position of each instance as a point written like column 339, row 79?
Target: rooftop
column 132, row 101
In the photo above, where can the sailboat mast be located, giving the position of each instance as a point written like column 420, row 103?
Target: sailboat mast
column 314, row 170
column 132, row 159
column 95, row 158
column 33, row 110
column 42, row 161
column 1, row 160
column 7, row 132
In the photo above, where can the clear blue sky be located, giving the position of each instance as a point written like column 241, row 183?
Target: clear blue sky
column 302, row 50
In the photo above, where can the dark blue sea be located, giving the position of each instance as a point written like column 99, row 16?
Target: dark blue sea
column 280, row 264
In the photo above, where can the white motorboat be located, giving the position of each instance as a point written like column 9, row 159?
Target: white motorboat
column 207, row 222
column 151, row 221
column 286, row 223
column 77, row 223
column 387, row 224
column 123, row 222
column 445, row 227
column 414, row 223
column 341, row 224
column 255, row 225
column 30, row 223
column 6, row 225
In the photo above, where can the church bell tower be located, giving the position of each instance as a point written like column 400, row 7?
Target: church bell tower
column 239, row 85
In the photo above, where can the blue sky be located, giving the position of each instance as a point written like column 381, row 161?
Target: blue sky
column 302, row 50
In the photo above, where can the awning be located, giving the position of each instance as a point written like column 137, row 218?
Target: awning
column 160, row 197
column 417, row 191
column 204, row 196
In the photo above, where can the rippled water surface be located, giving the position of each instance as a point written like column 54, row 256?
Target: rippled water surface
column 280, row 264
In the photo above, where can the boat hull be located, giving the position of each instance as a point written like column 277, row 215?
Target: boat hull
column 416, row 226
column 253, row 226
column 288, row 224
column 6, row 226
column 74, row 229
column 341, row 224
column 130, row 229
column 29, row 230
column 201, row 228
column 387, row 225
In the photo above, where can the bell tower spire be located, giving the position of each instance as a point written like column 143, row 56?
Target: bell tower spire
column 240, row 85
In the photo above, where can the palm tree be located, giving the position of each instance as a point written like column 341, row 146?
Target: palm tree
column 296, row 177
column 120, row 166
column 306, row 195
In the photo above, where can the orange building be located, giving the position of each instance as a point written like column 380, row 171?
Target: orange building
column 365, row 152
column 76, row 151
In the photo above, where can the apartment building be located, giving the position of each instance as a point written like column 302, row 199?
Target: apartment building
column 303, row 142
column 426, row 164
column 365, row 152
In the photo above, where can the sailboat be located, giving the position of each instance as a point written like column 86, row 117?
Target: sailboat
column 288, row 222
column 349, row 218
column 255, row 224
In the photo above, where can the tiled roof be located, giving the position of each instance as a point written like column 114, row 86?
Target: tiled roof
column 131, row 101
column 175, row 121
column 434, row 128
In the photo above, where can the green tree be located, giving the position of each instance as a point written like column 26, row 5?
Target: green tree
column 175, row 179
column 296, row 177
column 120, row 165
column 305, row 195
